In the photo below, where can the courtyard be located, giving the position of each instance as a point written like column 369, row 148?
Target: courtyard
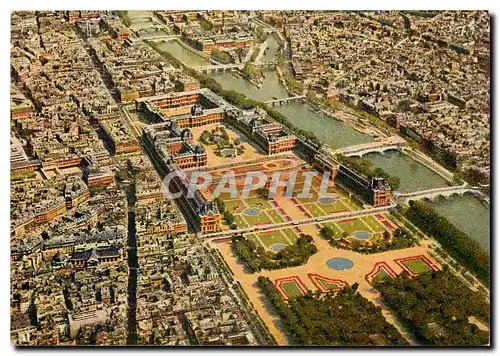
column 248, row 152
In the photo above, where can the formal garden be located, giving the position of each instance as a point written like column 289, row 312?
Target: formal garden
column 367, row 234
column 256, row 257
column 224, row 145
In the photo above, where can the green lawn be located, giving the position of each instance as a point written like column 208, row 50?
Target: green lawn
column 353, row 225
column 273, row 237
column 254, row 193
column 238, row 219
column 373, row 223
column 381, row 274
column 234, row 206
column 275, row 216
column 336, row 229
column 298, row 186
column 291, row 234
column 314, row 210
column 417, row 266
column 316, row 183
column 341, row 192
column 334, row 189
column 300, row 178
column 351, row 204
column 255, row 239
column 328, row 284
column 291, row 289
column 227, row 196
column 313, row 196
column 333, row 208
column 258, row 202
column 259, row 219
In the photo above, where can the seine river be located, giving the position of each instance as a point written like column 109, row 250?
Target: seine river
column 271, row 86
column 189, row 58
column 413, row 175
column 468, row 214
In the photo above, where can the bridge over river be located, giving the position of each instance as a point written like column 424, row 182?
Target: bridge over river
column 275, row 102
column 390, row 143
column 151, row 36
column 446, row 192
column 380, row 149
column 219, row 68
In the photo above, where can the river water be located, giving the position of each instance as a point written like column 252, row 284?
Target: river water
column 334, row 133
column 271, row 86
column 191, row 59
column 466, row 212
column 413, row 175
column 469, row 214
column 272, row 50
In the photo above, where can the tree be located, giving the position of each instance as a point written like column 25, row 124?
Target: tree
column 394, row 182
column 32, row 312
column 221, row 206
column 221, row 56
column 228, row 217
column 256, row 257
column 327, row 232
column 205, row 24
column 263, row 192
column 343, row 318
column 436, row 307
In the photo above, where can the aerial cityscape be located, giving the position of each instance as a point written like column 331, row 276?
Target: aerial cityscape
column 250, row 178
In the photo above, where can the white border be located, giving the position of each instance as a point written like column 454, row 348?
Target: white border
column 7, row 7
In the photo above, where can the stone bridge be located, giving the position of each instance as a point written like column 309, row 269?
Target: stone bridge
column 218, row 68
column 268, row 65
column 392, row 142
column 445, row 192
column 276, row 102
column 153, row 37
column 381, row 150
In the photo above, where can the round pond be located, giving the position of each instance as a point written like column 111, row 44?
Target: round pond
column 251, row 211
column 362, row 235
column 326, row 201
column 227, row 152
column 339, row 263
column 278, row 247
